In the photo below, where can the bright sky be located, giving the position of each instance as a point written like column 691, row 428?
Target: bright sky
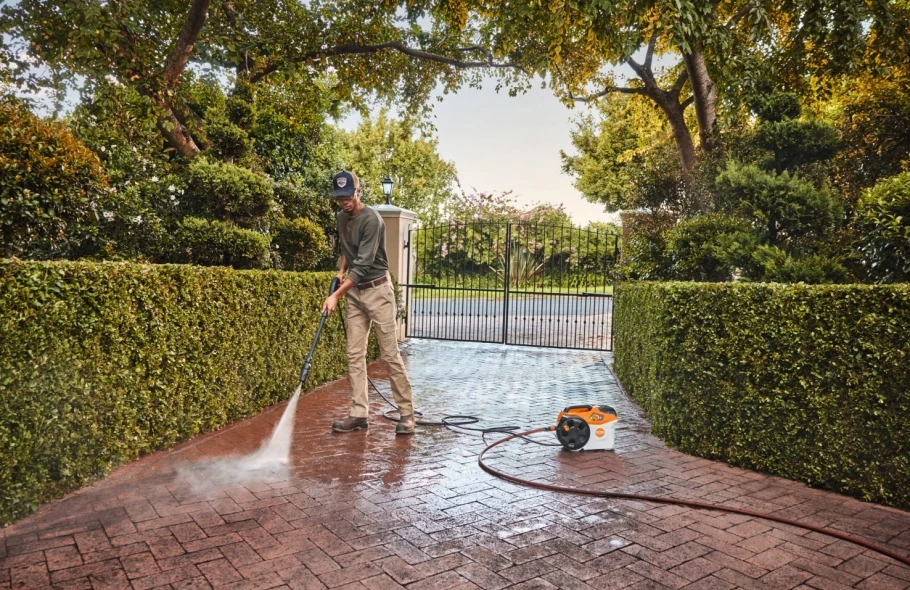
column 501, row 143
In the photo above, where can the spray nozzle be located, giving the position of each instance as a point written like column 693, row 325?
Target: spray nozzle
column 334, row 286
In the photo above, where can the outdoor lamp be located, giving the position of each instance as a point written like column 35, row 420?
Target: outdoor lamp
column 387, row 189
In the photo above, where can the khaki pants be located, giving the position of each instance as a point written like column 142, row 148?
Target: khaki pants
column 375, row 306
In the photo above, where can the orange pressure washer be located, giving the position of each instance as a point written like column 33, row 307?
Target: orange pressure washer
column 588, row 427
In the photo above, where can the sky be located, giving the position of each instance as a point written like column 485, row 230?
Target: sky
column 503, row 143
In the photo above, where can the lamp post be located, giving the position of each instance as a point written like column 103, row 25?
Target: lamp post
column 387, row 184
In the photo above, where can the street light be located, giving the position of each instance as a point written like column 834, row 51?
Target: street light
column 387, row 189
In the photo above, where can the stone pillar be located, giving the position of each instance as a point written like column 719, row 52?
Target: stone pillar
column 397, row 222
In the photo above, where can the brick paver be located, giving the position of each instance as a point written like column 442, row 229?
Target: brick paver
column 368, row 510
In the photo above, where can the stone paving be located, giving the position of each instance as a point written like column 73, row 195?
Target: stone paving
column 369, row 510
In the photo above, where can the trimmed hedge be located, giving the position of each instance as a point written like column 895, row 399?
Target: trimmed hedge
column 103, row 362
column 809, row 382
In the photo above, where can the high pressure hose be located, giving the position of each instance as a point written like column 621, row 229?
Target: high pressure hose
column 664, row 500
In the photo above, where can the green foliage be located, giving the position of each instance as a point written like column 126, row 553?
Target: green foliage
column 301, row 244
column 385, row 146
column 805, row 382
column 228, row 192
column 774, row 107
column 102, row 363
column 52, row 188
column 883, row 219
column 795, row 143
column 218, row 243
column 783, row 207
column 873, row 118
column 700, row 248
column 229, row 141
column 775, row 265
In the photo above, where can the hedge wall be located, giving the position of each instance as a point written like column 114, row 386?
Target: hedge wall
column 101, row 363
column 811, row 383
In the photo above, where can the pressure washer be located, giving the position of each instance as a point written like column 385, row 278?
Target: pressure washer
column 574, row 429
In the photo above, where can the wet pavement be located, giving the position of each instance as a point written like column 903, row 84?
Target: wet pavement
column 369, row 510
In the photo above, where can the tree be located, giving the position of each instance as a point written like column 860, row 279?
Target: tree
column 883, row 220
column 872, row 117
column 386, row 146
column 369, row 49
column 615, row 153
column 53, row 190
column 715, row 46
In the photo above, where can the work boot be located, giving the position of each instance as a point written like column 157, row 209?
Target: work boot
column 405, row 425
column 349, row 424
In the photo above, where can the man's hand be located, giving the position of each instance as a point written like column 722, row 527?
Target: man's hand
column 330, row 304
column 340, row 276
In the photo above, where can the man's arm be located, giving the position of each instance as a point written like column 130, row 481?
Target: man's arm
column 331, row 302
column 342, row 267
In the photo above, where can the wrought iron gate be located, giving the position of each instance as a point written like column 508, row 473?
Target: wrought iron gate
column 512, row 283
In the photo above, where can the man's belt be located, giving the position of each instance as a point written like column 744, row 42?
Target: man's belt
column 374, row 283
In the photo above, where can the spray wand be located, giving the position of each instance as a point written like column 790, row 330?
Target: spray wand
column 307, row 364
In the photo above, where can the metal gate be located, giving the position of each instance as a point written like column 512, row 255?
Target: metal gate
column 512, row 283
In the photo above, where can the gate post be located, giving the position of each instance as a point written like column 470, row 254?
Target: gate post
column 397, row 222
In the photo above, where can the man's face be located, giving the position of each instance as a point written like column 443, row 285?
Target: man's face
column 348, row 204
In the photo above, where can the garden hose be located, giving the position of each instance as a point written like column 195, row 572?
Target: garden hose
column 664, row 500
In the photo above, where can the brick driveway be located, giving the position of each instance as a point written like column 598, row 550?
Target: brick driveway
column 367, row 510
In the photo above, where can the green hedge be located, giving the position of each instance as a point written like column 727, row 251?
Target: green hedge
column 807, row 382
column 101, row 363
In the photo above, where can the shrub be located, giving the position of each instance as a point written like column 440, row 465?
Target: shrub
column 806, row 382
column 773, row 264
column 52, row 188
column 228, row 192
column 216, row 243
column 228, row 140
column 102, row 363
column 699, row 248
column 783, row 206
column 883, row 218
column 301, row 244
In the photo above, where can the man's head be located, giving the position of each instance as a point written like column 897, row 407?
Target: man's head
column 346, row 190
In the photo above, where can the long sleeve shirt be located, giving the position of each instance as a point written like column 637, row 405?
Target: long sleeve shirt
column 362, row 239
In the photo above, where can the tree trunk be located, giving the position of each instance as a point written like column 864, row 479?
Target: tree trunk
column 676, row 117
column 704, row 94
column 178, row 137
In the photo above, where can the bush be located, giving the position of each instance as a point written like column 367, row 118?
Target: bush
column 52, row 188
column 216, row 243
column 699, row 248
column 883, row 218
column 229, row 192
column 784, row 207
column 805, row 382
column 301, row 244
column 773, row 264
column 101, row 363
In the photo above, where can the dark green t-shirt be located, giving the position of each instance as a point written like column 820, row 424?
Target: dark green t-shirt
column 363, row 244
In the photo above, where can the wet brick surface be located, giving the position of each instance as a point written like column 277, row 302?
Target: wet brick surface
column 369, row 510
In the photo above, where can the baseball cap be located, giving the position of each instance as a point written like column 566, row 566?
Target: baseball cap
column 345, row 184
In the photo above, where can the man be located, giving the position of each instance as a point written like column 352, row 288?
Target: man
column 371, row 299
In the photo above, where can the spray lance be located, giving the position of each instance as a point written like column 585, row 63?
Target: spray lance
column 307, row 364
